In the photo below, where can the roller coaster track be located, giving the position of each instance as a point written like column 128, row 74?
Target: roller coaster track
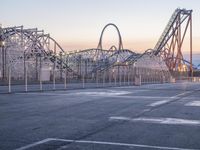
column 36, row 44
column 33, row 44
column 172, row 56
column 163, row 38
column 170, row 29
column 170, row 43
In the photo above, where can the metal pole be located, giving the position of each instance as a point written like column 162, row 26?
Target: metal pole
column 9, row 80
column 26, row 80
column 134, row 74
column 65, row 76
column 128, row 75
column 54, row 67
column 40, row 72
column 109, row 77
column 36, row 67
column 54, row 79
column 103, row 78
column 120, row 78
column 40, row 80
column 25, row 73
column 191, row 68
column 65, row 79
column 83, row 80
column 115, row 78
column 124, row 73
column 61, row 66
column 3, row 63
column 97, row 79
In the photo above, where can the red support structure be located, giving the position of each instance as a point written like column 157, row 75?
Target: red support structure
column 170, row 44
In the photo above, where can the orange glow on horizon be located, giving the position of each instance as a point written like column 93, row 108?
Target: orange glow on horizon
column 134, row 45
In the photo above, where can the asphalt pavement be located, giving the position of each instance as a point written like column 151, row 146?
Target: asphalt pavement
column 156, row 116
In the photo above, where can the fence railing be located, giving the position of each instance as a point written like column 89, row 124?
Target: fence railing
column 134, row 76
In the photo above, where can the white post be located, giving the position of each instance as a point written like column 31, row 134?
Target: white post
column 66, row 62
column 26, row 80
column 110, row 78
column 97, row 79
column 9, row 80
column 124, row 73
column 40, row 85
column 129, row 76
column 54, row 67
column 133, row 75
column 65, row 79
column 83, row 80
column 120, row 78
column 40, row 81
column 115, row 78
column 54, row 79
column 40, row 75
column 103, row 78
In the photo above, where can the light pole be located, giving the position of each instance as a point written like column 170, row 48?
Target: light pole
column 2, row 45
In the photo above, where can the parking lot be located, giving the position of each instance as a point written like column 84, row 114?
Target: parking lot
column 157, row 116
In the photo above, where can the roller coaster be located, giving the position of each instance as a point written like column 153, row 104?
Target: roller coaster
column 29, row 52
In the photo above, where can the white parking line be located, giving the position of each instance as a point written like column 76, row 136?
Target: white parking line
column 193, row 103
column 99, row 94
column 181, row 94
column 169, row 121
column 100, row 143
column 34, row 144
column 92, row 93
column 158, row 103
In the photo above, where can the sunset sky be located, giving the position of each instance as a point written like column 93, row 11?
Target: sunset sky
column 77, row 24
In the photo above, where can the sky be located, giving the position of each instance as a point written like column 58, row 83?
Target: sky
column 77, row 24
